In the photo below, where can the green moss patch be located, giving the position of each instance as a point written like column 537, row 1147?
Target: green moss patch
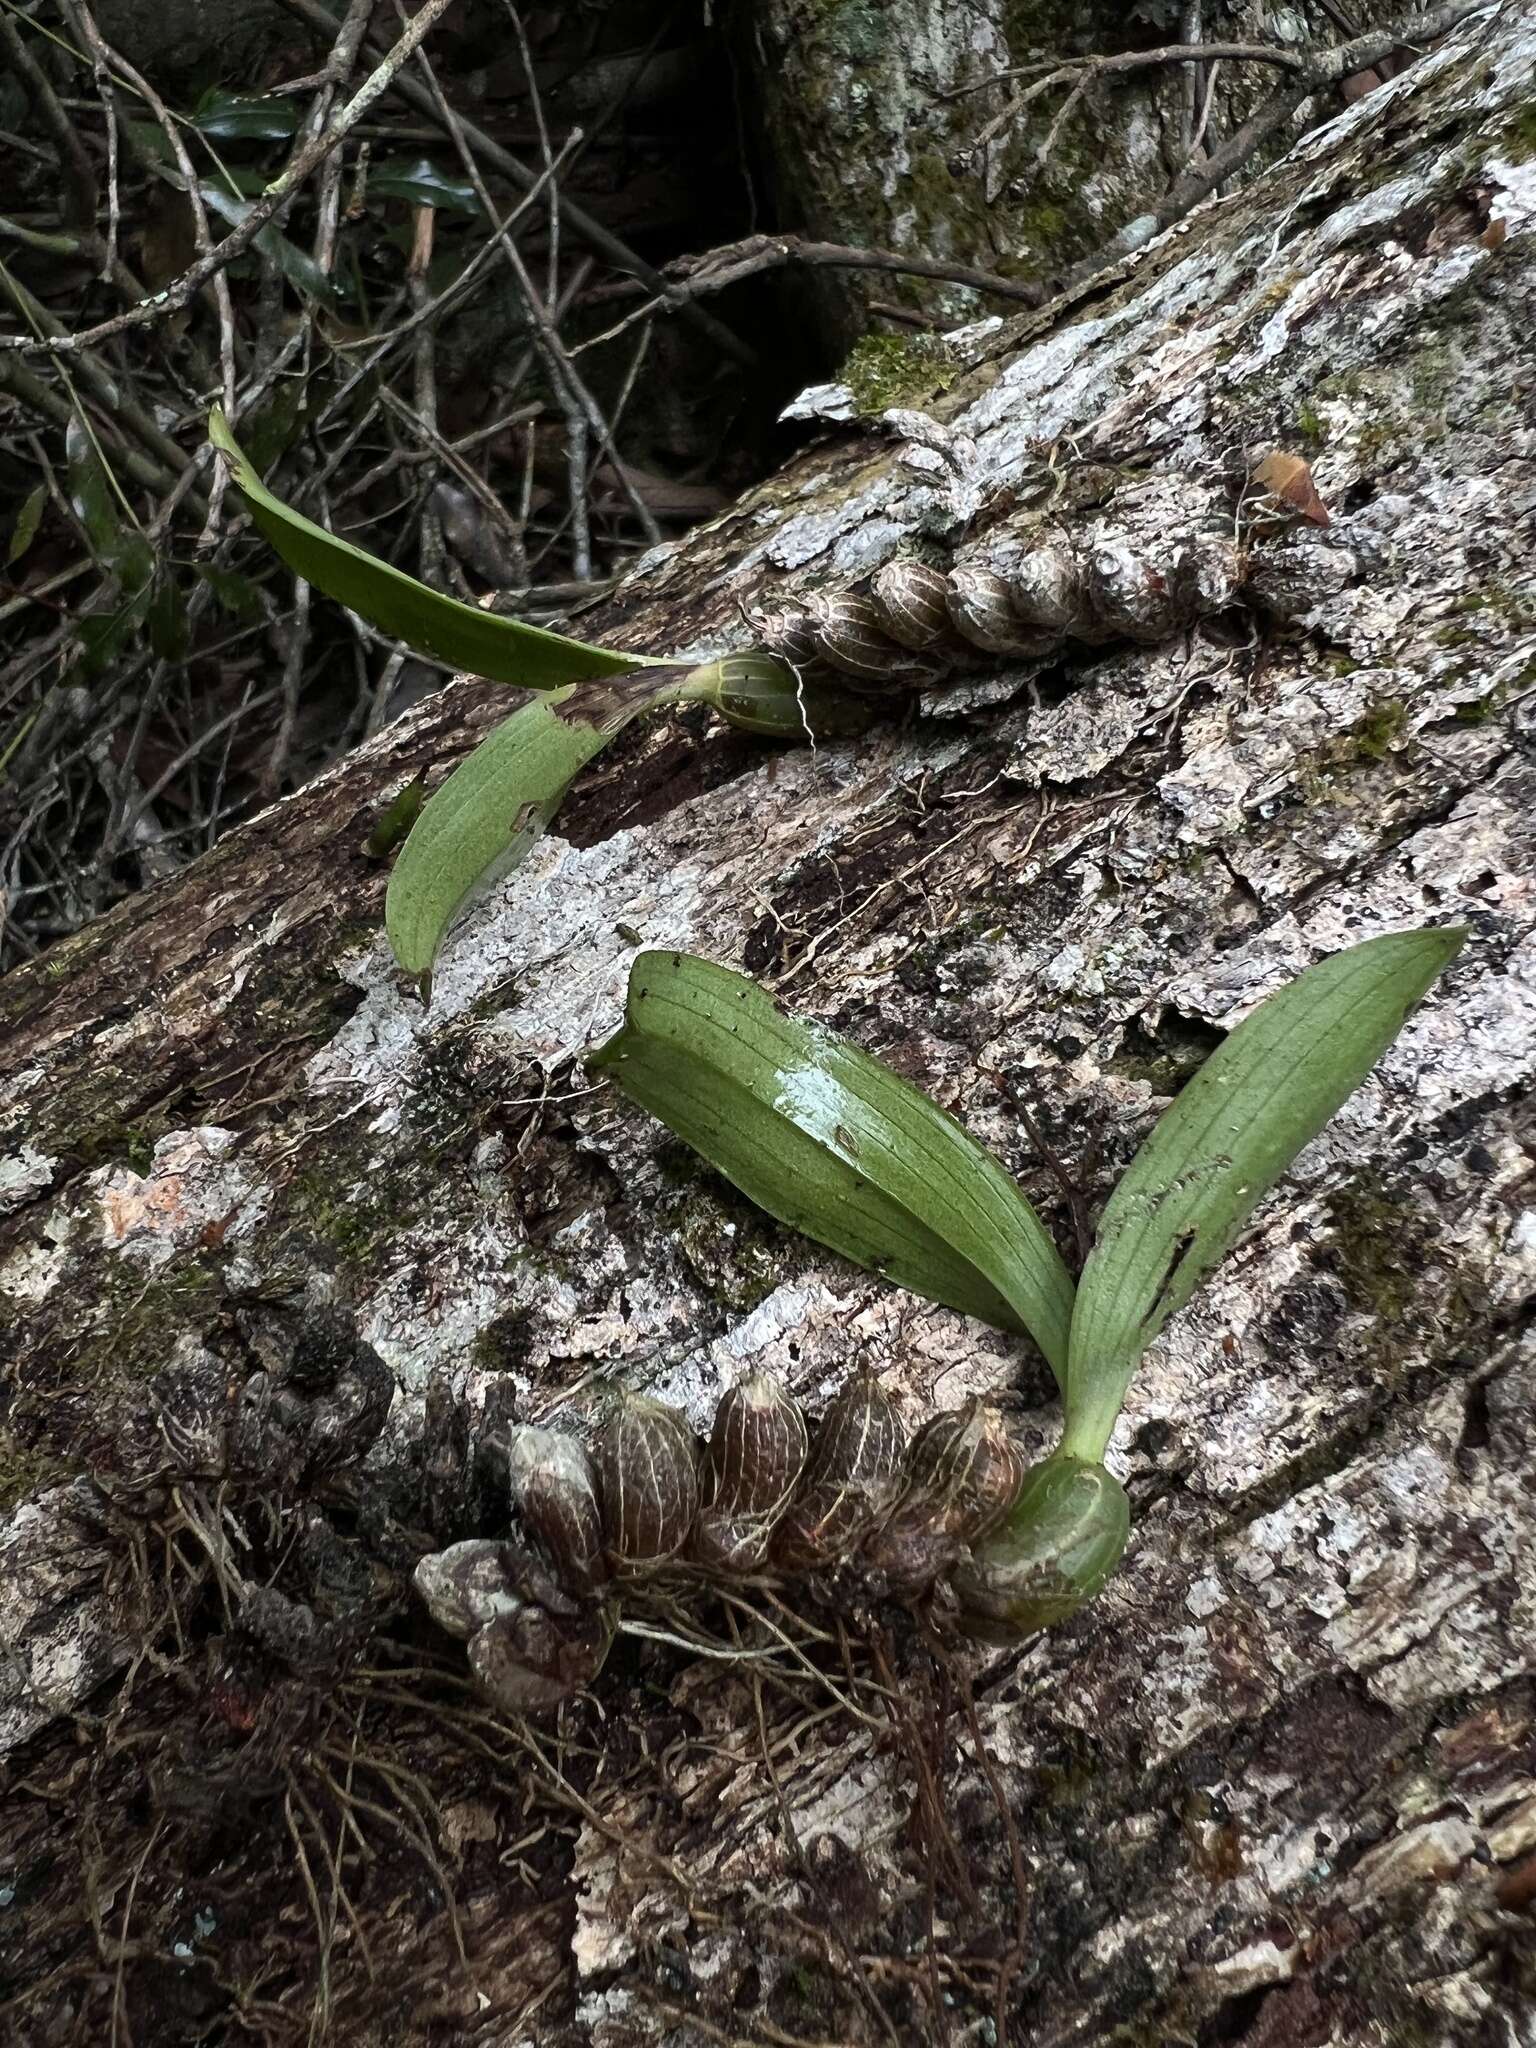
column 890, row 369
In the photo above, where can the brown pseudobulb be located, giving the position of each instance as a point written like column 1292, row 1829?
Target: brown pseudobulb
column 554, row 1490
column 530, row 1662
column 648, row 1470
column 981, row 611
column 789, row 634
column 850, row 1479
column 467, row 1586
column 756, row 1453
column 963, row 1472
column 908, row 600
column 1044, row 588
column 849, row 636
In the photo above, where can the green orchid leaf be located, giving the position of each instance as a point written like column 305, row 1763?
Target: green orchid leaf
column 460, row 635
column 488, row 814
column 150, row 140
column 119, row 547
column 269, row 431
column 244, row 117
column 396, row 818
column 423, row 183
column 170, row 629
column 300, row 268
column 246, row 181
column 24, row 532
column 236, row 595
column 830, row 1141
column 104, row 634
column 95, row 503
column 1265, row 1092
column 483, row 820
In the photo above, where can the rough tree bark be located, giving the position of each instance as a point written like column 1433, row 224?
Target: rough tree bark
column 895, row 126
column 1279, row 1783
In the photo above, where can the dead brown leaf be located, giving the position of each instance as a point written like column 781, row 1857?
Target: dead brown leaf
column 1288, row 478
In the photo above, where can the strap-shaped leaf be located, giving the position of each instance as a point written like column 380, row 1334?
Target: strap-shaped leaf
column 296, row 264
column 505, row 650
column 1265, row 1092
column 481, row 823
column 244, row 117
column 830, row 1141
column 423, row 183
column 24, row 532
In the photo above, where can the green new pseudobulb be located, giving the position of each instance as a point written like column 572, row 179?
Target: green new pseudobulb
column 1052, row 1551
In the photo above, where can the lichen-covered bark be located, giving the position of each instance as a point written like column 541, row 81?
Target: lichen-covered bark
column 888, row 125
column 1279, row 1783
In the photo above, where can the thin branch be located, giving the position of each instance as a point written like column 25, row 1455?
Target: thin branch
column 453, row 292
column 190, row 753
column 49, row 404
column 184, row 288
column 338, row 69
column 1313, row 66
column 125, row 411
column 1191, row 28
column 1323, row 68
column 692, row 276
column 270, row 781
column 581, row 409
column 106, row 92
column 106, row 59
column 576, row 218
column 79, row 176
column 546, row 153
column 1059, row 69
column 1208, row 100
column 338, row 65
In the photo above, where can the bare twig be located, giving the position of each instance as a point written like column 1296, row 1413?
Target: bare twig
column 338, row 66
column 1055, row 70
column 184, row 288
column 334, row 76
column 692, row 276
column 50, row 404
column 546, row 154
column 1208, row 100
column 106, row 93
column 106, row 60
column 293, row 678
column 580, row 407
column 79, row 176
column 1321, row 69
column 1312, row 67
column 453, row 293
column 189, row 753
column 501, row 160
column 436, row 449
column 126, row 411
column 1191, row 23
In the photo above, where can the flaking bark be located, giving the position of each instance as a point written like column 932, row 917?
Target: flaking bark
column 1279, row 1783
column 910, row 126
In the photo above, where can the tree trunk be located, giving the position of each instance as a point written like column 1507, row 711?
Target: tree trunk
column 1278, row 1784
column 921, row 126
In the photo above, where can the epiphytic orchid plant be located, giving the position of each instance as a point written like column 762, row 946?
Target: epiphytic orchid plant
column 828, row 1139
column 489, row 812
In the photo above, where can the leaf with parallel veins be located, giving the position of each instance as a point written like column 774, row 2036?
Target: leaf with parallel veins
column 830, row 1141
